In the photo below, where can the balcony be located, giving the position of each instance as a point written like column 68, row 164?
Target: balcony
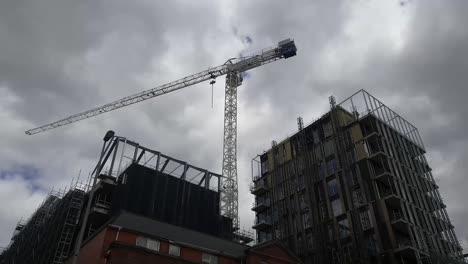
column 261, row 224
column 434, row 203
column 260, row 206
column 388, row 193
column 379, row 168
column 422, row 166
column 373, row 147
column 307, row 224
column 405, row 249
column 358, row 199
column 258, row 188
column 102, row 206
column 392, row 199
column 398, row 222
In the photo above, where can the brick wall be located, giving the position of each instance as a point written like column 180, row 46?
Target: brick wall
column 114, row 246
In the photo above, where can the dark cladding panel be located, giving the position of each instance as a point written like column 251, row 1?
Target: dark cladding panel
column 160, row 196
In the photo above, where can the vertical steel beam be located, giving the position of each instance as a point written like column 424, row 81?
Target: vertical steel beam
column 114, row 157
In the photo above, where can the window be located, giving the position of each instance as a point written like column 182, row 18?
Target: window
column 357, row 198
column 293, row 185
column 347, row 249
column 337, row 208
column 141, row 241
column 320, row 191
column 264, row 167
column 327, row 129
column 347, row 138
column 356, row 173
column 277, row 233
column 333, row 188
column 315, row 136
column 306, row 220
column 280, row 192
column 321, row 170
column 329, row 147
column 148, row 243
column 372, row 247
column 365, row 220
column 284, row 152
column 332, row 167
column 310, row 240
column 262, row 237
column 352, row 155
column 318, row 152
column 210, row 259
column 330, row 233
column 343, row 227
column 323, row 210
column 302, row 201
column 301, row 182
column 174, row 250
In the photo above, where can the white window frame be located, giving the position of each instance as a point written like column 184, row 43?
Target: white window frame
column 153, row 244
column 209, row 259
column 148, row 243
column 173, row 247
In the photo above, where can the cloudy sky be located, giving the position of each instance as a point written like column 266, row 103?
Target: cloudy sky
column 60, row 57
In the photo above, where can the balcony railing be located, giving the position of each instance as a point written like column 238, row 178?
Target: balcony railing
column 102, row 206
column 261, row 223
column 404, row 243
column 260, row 206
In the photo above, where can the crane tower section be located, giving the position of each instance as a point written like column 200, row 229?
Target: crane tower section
column 229, row 196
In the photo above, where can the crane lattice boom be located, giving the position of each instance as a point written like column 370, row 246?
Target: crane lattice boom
column 233, row 69
column 233, row 65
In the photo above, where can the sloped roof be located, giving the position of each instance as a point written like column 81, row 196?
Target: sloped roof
column 181, row 235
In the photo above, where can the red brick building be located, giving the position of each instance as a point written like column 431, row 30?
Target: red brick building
column 130, row 238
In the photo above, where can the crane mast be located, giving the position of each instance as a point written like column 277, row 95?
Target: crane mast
column 233, row 69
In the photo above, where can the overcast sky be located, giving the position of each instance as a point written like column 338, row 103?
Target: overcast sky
column 60, row 57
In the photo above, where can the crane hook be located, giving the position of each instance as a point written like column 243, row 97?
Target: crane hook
column 212, row 83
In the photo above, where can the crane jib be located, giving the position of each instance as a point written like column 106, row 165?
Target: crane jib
column 284, row 49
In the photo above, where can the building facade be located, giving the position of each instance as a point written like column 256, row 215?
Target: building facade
column 130, row 239
column 354, row 186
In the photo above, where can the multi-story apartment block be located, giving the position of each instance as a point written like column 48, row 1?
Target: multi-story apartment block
column 354, row 186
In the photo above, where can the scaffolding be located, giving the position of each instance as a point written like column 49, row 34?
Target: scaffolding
column 47, row 236
column 76, row 199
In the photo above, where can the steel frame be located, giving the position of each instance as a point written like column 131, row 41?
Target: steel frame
column 122, row 152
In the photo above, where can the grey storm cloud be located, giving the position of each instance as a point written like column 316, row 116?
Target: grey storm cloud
column 62, row 57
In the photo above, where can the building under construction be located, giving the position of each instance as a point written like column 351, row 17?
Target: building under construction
column 354, row 186
column 131, row 180
column 47, row 237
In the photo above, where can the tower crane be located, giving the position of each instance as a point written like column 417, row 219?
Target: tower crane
column 233, row 69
